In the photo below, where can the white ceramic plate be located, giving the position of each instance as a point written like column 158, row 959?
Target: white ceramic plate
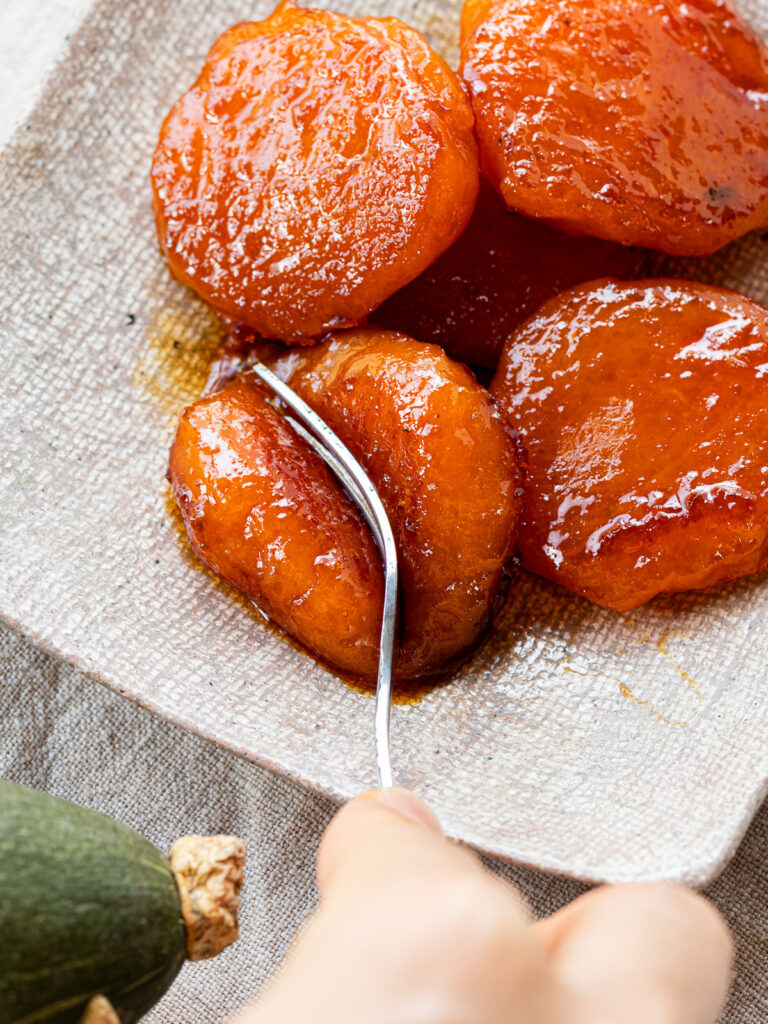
column 604, row 746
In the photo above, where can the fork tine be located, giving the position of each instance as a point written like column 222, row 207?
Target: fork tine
column 345, row 466
column 346, row 479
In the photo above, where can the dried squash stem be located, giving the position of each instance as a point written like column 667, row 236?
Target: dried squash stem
column 99, row 1011
column 209, row 874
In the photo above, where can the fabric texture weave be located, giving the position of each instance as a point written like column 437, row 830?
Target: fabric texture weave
column 62, row 733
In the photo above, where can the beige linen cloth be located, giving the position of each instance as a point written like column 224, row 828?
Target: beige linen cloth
column 62, row 733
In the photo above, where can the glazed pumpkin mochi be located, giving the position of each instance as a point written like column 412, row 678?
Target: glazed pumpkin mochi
column 318, row 164
column 644, row 411
column 264, row 513
column 447, row 469
column 499, row 272
column 640, row 121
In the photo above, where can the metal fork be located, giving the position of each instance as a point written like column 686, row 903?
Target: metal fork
column 356, row 481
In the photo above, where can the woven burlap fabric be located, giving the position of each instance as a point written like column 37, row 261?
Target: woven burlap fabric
column 60, row 732
column 101, row 349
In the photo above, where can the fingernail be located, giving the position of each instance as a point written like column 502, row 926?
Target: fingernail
column 408, row 805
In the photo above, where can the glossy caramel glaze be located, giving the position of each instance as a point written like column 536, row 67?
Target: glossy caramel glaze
column 318, row 164
column 264, row 513
column 446, row 466
column 501, row 269
column 640, row 121
column 644, row 411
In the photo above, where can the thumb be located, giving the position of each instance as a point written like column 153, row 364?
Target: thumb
column 385, row 833
column 643, row 953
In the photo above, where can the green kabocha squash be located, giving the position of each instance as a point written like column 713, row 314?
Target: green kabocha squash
column 95, row 922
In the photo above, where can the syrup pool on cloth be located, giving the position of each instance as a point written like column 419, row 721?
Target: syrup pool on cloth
column 62, row 734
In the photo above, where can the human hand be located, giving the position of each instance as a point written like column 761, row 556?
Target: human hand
column 411, row 929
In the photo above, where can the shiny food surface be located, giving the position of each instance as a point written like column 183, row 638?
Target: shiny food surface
column 644, row 411
column 640, row 121
column 264, row 513
column 318, row 164
column 446, row 466
column 498, row 273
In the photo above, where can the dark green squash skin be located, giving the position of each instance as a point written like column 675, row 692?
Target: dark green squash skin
column 87, row 907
